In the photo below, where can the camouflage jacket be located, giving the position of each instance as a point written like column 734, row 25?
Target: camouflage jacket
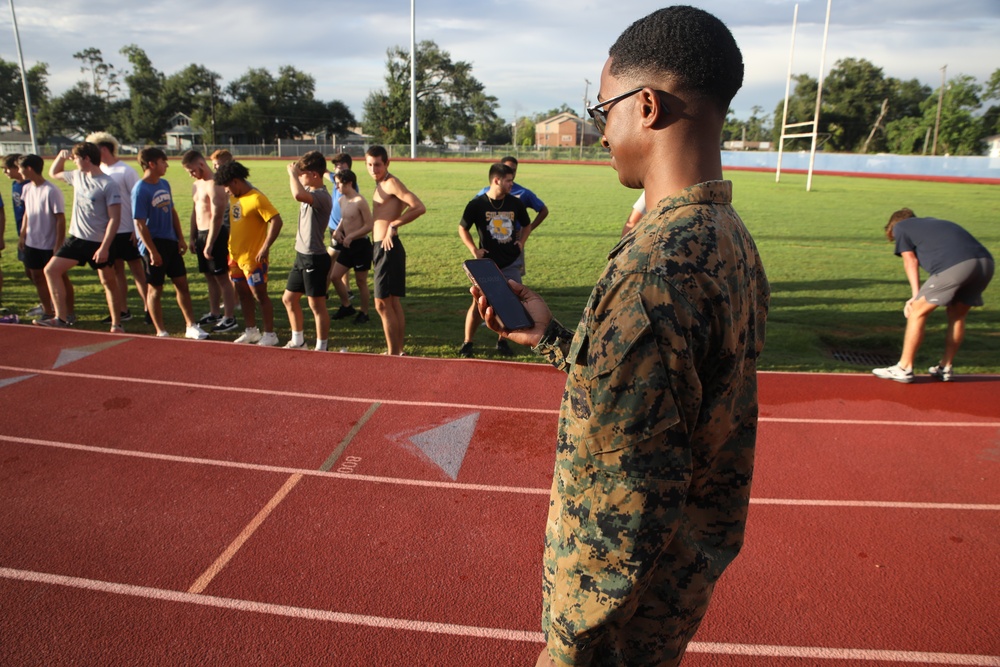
column 656, row 434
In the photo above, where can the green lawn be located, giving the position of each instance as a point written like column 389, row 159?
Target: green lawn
column 835, row 281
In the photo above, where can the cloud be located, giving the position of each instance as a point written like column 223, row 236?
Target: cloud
column 532, row 56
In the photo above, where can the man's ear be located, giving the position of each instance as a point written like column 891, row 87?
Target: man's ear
column 651, row 108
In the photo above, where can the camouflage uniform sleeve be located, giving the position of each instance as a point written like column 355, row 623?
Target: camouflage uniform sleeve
column 554, row 345
column 623, row 464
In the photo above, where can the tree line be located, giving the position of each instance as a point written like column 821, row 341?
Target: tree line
column 135, row 102
column 865, row 111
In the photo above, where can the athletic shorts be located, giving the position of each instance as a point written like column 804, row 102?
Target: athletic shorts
column 36, row 258
column 390, row 270
column 123, row 248
column 219, row 264
column 250, row 273
column 82, row 251
column 308, row 275
column 171, row 263
column 358, row 256
column 963, row 283
column 514, row 270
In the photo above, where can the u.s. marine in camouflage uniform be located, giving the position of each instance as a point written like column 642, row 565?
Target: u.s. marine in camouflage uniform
column 659, row 418
column 656, row 434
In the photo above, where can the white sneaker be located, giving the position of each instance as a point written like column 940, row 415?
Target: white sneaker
column 292, row 346
column 894, row 373
column 163, row 334
column 195, row 332
column 251, row 335
column 269, row 339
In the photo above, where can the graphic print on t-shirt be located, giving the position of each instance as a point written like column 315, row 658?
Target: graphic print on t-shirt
column 501, row 225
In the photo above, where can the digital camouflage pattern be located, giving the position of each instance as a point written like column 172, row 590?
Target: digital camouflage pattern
column 656, row 435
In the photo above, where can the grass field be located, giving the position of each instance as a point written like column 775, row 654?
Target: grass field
column 835, row 281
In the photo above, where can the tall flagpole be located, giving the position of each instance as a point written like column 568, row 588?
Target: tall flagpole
column 413, row 78
column 24, row 82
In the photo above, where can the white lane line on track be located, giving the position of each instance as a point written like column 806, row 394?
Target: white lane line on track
column 489, row 488
column 503, row 634
column 468, row 406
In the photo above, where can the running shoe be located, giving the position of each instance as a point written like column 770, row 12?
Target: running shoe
column 195, row 332
column 894, row 373
column 361, row 318
column 342, row 312
column 124, row 316
column 503, row 349
column 52, row 322
column 941, row 373
column 290, row 345
column 35, row 312
column 269, row 339
column 209, row 318
column 466, row 350
column 251, row 335
column 163, row 334
column 117, row 328
column 226, row 324
column 10, row 318
column 71, row 319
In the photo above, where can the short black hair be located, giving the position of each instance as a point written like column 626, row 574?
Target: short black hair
column 10, row 160
column 379, row 152
column 347, row 176
column 230, row 172
column 499, row 170
column 149, row 155
column 686, row 44
column 191, row 157
column 33, row 161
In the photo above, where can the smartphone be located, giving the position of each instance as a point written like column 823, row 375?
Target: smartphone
column 487, row 276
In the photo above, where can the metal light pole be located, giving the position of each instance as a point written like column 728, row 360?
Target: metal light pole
column 937, row 121
column 413, row 79
column 583, row 118
column 24, row 82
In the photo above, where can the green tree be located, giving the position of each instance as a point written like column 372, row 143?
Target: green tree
column 991, row 118
column 801, row 108
column 145, row 116
column 12, row 109
column 450, row 100
column 195, row 91
column 525, row 132
column 103, row 76
column 78, row 110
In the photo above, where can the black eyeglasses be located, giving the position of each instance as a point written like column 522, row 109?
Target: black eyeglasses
column 599, row 112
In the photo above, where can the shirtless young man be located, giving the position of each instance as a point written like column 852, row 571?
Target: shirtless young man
column 210, row 241
column 392, row 207
column 355, row 247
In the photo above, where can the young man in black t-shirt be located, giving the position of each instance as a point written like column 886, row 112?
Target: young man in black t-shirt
column 502, row 222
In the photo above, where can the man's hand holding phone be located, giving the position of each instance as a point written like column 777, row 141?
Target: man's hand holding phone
column 532, row 303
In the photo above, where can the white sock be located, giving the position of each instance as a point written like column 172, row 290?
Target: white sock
column 321, row 346
column 298, row 338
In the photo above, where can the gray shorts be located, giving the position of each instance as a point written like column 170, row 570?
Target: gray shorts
column 963, row 283
column 514, row 270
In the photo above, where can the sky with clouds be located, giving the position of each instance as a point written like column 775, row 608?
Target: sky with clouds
column 533, row 55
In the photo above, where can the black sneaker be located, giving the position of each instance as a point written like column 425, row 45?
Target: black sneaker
column 466, row 350
column 126, row 315
column 362, row 318
column 147, row 318
column 504, row 349
column 209, row 319
column 342, row 312
column 226, row 324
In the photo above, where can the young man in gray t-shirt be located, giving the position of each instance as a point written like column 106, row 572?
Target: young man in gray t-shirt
column 312, row 263
column 96, row 211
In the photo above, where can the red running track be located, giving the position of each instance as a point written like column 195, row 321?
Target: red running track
column 170, row 502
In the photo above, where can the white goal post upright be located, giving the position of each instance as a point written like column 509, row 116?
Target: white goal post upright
column 814, row 134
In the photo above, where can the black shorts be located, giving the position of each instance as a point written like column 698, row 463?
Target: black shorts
column 36, row 258
column 123, row 248
column 171, row 263
column 390, row 270
column 83, row 252
column 308, row 275
column 358, row 256
column 219, row 264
